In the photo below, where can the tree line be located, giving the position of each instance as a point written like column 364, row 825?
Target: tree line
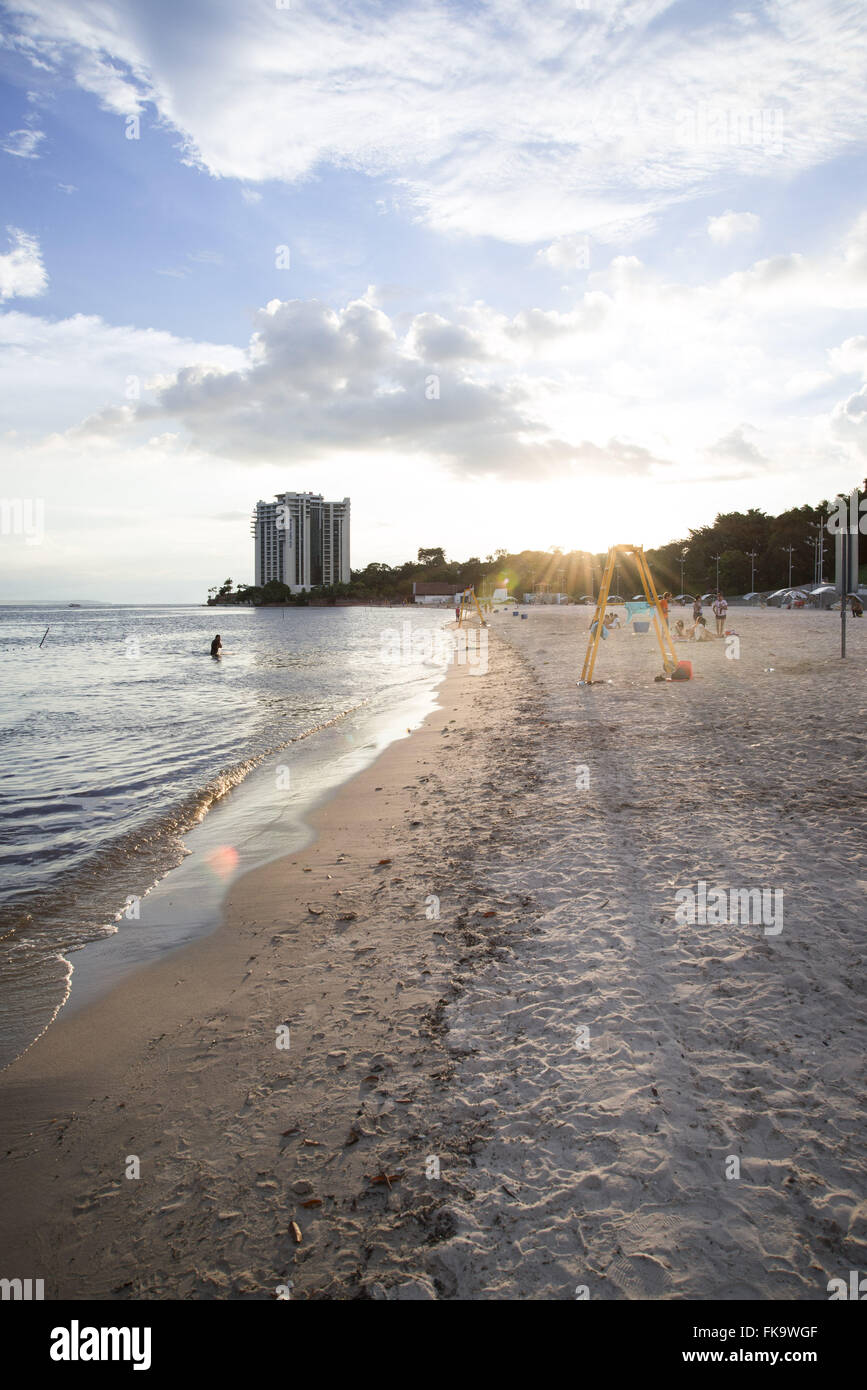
column 742, row 550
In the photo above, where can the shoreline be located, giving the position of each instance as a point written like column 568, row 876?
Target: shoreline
column 178, row 1067
column 137, row 889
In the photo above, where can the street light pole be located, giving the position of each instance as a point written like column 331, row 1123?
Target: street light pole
column 789, row 550
column 752, row 554
column 844, row 558
column 822, row 521
column 682, row 563
column 813, row 542
column 717, row 558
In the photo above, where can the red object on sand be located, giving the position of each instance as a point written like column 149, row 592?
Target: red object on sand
column 682, row 671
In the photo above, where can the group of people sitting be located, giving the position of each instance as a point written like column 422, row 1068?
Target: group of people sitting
column 698, row 632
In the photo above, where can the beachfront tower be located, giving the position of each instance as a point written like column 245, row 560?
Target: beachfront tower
column 301, row 540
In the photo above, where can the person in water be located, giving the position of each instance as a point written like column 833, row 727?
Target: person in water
column 217, row 645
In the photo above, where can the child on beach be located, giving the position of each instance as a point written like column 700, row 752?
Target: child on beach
column 699, row 633
column 679, row 632
column 696, row 610
column 720, row 608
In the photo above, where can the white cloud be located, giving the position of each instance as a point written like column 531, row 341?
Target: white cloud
column 850, row 356
column 479, row 392
column 680, row 367
column 90, row 364
column 520, row 122
column 23, row 143
column 317, row 381
column 22, row 274
column 736, row 448
column 567, row 253
column 731, row 225
column 806, row 383
column 849, row 420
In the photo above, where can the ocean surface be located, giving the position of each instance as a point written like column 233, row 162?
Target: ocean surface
column 120, row 734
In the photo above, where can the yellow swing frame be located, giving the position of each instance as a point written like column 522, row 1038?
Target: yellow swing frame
column 468, row 597
column 663, row 636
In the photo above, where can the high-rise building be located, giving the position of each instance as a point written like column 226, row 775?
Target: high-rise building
column 301, row 540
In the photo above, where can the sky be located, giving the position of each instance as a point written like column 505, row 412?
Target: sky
column 506, row 275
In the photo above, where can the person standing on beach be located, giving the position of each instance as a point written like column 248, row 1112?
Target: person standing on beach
column 696, row 609
column 720, row 608
column 663, row 605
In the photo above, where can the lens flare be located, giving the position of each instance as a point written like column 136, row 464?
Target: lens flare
column 223, row 861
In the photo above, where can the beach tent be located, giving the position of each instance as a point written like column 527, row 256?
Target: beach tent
column 782, row 596
column 823, row 595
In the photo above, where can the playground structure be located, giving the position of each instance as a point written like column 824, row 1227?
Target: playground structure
column 666, row 644
column 468, row 601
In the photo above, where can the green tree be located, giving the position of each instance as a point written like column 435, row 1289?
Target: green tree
column 436, row 555
column 275, row 592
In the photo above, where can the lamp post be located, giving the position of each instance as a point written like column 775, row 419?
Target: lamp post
column 717, row 558
column 813, row 542
column 844, row 586
column 789, row 550
column 683, row 555
column 752, row 554
column 822, row 523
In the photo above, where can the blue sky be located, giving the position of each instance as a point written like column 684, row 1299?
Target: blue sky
column 627, row 239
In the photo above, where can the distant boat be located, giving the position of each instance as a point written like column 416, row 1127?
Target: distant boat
column 73, row 605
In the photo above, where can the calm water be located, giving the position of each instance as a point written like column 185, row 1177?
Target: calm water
column 120, row 732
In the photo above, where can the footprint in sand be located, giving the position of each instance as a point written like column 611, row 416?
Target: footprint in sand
column 638, row 1276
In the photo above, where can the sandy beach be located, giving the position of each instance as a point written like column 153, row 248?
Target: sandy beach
column 511, row 1071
